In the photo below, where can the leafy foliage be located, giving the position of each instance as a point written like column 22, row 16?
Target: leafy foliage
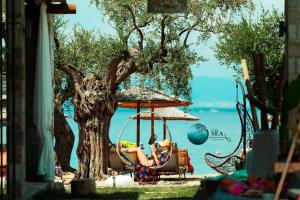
column 148, row 49
column 87, row 50
column 63, row 88
column 240, row 40
column 165, row 40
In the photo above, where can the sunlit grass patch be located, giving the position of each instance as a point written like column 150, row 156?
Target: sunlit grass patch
column 128, row 193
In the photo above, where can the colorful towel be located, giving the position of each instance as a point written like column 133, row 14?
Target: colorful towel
column 143, row 173
column 163, row 157
column 190, row 166
column 127, row 144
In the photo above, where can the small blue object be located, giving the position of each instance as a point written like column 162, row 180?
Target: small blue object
column 198, row 134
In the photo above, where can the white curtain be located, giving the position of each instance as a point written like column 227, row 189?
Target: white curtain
column 43, row 97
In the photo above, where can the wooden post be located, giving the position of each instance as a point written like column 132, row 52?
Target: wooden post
column 165, row 128
column 278, row 95
column 152, row 121
column 259, row 71
column 62, row 8
column 286, row 166
column 16, row 99
column 138, row 123
column 250, row 92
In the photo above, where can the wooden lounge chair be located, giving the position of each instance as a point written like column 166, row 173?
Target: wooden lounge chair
column 183, row 161
column 172, row 165
column 177, row 163
column 115, row 161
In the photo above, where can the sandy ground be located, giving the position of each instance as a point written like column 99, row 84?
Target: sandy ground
column 170, row 181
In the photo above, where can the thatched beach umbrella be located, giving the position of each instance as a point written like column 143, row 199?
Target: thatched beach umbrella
column 138, row 98
column 170, row 113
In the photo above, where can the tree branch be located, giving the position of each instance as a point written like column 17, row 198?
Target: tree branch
column 194, row 27
column 112, row 71
column 139, row 26
column 61, row 97
column 75, row 76
column 118, row 65
column 124, row 72
column 186, row 37
column 189, row 28
column 133, row 17
column 278, row 94
column 162, row 33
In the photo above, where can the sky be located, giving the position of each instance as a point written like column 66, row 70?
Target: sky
column 90, row 18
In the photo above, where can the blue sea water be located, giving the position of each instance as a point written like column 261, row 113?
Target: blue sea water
column 225, row 120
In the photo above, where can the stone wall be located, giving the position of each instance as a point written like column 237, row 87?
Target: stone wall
column 293, row 38
column 292, row 63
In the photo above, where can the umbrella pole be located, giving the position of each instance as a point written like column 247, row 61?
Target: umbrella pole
column 165, row 128
column 138, row 123
column 152, row 121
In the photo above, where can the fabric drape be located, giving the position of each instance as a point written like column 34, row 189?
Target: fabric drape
column 43, row 98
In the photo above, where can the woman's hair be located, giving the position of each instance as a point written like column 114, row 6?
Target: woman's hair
column 167, row 147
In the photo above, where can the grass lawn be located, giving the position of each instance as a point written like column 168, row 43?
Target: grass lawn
column 129, row 193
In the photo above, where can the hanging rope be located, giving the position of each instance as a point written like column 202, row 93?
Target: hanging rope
column 149, row 84
column 237, row 91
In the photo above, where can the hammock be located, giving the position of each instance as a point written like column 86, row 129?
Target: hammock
column 227, row 164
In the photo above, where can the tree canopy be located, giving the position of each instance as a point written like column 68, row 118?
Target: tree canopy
column 241, row 40
column 162, row 40
column 152, row 50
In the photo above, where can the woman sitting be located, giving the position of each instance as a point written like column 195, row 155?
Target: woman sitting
column 158, row 159
column 142, row 170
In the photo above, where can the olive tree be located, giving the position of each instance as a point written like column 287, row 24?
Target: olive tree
column 249, row 37
column 155, row 47
column 63, row 90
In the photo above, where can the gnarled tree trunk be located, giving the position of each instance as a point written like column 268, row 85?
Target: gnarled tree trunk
column 64, row 139
column 92, row 148
column 94, row 107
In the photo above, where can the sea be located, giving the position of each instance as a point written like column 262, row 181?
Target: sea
column 224, row 121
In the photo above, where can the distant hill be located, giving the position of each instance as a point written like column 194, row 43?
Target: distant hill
column 210, row 92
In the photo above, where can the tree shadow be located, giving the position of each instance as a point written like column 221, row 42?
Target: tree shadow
column 49, row 195
column 200, row 195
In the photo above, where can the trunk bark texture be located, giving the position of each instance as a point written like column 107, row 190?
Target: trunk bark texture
column 259, row 71
column 94, row 107
column 64, row 139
